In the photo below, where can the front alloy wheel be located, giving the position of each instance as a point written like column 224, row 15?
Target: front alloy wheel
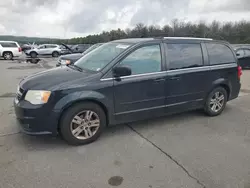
column 82, row 123
column 85, row 125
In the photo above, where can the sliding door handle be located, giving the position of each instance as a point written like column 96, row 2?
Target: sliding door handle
column 175, row 78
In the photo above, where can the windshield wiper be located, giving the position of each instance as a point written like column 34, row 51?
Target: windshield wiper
column 75, row 67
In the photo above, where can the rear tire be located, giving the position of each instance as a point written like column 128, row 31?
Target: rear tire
column 55, row 54
column 33, row 54
column 216, row 101
column 75, row 127
column 7, row 55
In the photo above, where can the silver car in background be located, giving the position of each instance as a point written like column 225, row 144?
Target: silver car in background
column 46, row 49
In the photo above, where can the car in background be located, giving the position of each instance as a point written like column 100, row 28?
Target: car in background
column 243, row 55
column 10, row 49
column 46, row 49
column 66, row 49
column 71, row 49
column 72, row 58
column 26, row 47
column 236, row 46
column 80, row 48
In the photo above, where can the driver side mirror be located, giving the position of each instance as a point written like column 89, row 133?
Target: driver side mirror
column 237, row 54
column 120, row 71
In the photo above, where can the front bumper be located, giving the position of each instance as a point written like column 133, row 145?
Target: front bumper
column 35, row 119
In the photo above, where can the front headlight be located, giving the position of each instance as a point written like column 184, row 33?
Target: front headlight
column 37, row 96
column 65, row 62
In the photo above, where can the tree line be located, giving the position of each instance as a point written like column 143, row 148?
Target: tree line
column 233, row 32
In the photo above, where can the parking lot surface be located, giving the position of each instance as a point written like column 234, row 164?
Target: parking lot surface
column 184, row 150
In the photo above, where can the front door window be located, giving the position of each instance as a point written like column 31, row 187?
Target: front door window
column 144, row 60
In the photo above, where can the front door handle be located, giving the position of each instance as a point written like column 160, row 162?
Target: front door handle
column 160, row 80
column 175, row 78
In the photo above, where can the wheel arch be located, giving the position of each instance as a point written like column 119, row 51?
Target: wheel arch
column 55, row 51
column 33, row 52
column 224, row 84
column 75, row 102
column 227, row 88
column 7, row 52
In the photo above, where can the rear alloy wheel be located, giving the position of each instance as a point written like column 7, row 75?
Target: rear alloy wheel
column 216, row 101
column 82, row 123
column 55, row 54
column 7, row 55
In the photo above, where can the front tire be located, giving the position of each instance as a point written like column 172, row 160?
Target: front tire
column 55, row 54
column 7, row 55
column 216, row 101
column 82, row 123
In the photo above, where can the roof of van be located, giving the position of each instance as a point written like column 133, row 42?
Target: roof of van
column 136, row 40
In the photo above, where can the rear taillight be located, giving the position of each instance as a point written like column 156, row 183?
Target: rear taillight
column 19, row 49
column 239, row 71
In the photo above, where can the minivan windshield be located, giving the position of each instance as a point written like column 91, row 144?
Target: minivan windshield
column 91, row 48
column 101, row 56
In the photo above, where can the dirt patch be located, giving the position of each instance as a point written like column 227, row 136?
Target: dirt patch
column 117, row 163
column 245, row 90
column 31, row 64
column 39, row 66
column 115, row 180
column 8, row 95
column 27, row 61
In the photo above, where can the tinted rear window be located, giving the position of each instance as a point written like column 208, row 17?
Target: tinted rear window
column 219, row 54
column 8, row 44
column 184, row 56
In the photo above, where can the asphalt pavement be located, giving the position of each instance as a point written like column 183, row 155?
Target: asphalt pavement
column 184, row 150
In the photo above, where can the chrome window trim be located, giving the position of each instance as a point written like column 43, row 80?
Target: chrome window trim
column 213, row 67
column 137, row 75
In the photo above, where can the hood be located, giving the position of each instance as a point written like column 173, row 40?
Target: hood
column 71, row 57
column 53, row 79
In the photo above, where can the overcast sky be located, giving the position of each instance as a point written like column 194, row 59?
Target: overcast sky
column 74, row 18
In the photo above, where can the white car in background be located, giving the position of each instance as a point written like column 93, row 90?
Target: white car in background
column 10, row 49
column 46, row 49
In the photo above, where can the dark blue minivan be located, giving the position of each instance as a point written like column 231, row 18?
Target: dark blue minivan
column 128, row 80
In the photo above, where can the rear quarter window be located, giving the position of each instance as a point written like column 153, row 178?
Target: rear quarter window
column 219, row 54
column 8, row 44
